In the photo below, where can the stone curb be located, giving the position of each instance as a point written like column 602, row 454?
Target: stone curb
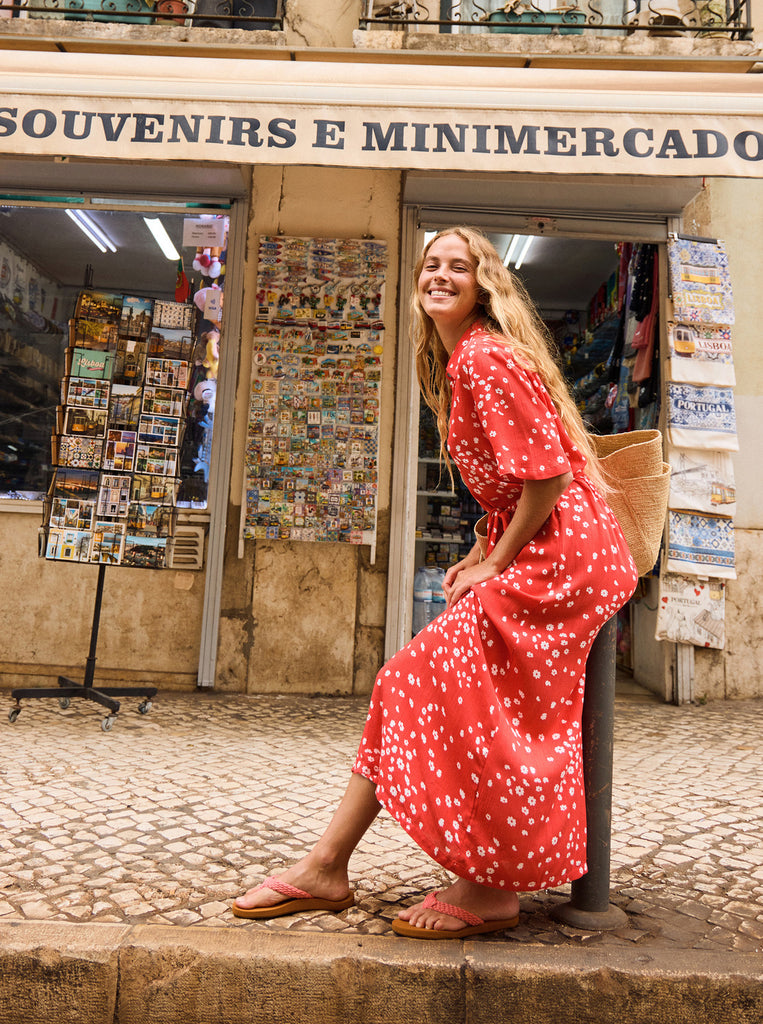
column 149, row 974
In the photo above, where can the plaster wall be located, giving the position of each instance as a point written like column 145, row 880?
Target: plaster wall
column 325, row 24
column 732, row 209
column 299, row 617
column 149, row 624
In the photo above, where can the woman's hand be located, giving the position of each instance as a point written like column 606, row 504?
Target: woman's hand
column 471, row 560
column 464, row 578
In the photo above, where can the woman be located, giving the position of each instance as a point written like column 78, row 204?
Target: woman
column 473, row 738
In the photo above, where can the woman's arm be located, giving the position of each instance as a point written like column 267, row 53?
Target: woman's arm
column 535, row 504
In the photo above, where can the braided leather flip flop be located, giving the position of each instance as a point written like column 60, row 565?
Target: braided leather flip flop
column 297, row 901
column 474, row 925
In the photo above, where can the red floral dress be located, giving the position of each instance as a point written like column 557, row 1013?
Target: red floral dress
column 473, row 737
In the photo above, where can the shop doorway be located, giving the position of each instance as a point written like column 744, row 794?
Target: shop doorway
column 582, row 285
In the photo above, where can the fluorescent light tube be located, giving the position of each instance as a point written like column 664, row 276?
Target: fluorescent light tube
column 525, row 249
column 161, row 238
column 87, row 221
column 513, row 243
column 86, row 231
column 88, row 227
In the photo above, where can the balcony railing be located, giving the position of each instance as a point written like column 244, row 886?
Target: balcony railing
column 727, row 19
column 244, row 14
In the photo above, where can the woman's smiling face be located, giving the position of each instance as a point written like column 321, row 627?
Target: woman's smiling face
column 448, row 288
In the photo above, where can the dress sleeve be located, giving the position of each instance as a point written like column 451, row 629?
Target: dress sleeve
column 517, row 415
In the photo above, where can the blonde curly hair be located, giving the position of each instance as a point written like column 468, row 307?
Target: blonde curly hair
column 506, row 309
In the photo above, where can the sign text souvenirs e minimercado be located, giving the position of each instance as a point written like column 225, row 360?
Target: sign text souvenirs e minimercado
column 471, row 139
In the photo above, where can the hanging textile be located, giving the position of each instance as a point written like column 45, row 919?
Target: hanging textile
column 702, row 481
column 701, row 417
column 700, row 545
column 700, row 353
column 700, row 281
column 691, row 611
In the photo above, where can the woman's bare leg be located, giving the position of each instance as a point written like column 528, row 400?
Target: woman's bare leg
column 323, row 871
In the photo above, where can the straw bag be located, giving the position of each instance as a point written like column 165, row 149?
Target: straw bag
column 632, row 465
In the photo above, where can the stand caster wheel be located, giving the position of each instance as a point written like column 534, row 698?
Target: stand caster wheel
column 64, row 702
column 13, row 714
column 107, row 722
column 144, row 707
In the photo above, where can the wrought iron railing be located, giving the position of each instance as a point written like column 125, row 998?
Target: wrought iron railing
column 729, row 19
column 245, row 14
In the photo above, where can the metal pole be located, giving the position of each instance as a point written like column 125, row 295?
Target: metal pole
column 90, row 663
column 589, row 907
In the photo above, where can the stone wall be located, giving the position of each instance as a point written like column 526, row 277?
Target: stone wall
column 300, row 617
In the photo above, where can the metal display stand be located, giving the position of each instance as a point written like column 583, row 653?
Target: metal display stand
column 69, row 688
column 103, row 695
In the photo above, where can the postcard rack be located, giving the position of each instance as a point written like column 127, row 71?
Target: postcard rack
column 116, row 452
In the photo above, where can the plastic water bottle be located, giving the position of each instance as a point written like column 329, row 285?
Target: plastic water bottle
column 422, row 598
column 438, row 597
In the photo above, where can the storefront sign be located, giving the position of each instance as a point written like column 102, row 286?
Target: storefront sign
column 520, row 141
column 344, row 115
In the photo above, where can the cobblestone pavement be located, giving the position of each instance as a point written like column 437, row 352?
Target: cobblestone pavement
column 168, row 816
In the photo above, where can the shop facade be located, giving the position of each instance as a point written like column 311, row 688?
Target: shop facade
column 281, row 154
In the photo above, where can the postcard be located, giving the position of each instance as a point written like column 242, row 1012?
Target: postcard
column 144, row 552
column 170, row 344
column 119, row 453
column 163, row 430
column 86, row 392
column 114, row 495
column 91, row 363
column 84, row 422
column 99, row 305
column 108, row 543
column 94, row 334
column 155, row 459
column 137, row 314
